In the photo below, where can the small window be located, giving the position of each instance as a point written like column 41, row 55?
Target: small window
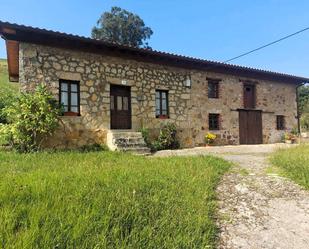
column 69, row 97
column 119, row 103
column 125, row 103
column 214, row 121
column 161, row 104
column 280, row 122
column 213, row 89
column 112, row 102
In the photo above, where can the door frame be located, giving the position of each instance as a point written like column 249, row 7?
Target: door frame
column 128, row 88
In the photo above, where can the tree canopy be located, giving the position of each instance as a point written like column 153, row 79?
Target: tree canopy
column 303, row 95
column 122, row 27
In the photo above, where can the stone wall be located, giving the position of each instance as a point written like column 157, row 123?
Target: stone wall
column 188, row 107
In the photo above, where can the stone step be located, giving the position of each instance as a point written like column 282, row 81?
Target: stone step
column 131, row 145
column 127, row 141
column 126, row 134
column 130, row 139
column 136, row 150
column 124, row 141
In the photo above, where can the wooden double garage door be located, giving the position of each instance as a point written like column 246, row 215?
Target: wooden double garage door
column 250, row 127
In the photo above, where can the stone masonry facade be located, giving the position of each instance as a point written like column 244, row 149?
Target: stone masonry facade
column 188, row 106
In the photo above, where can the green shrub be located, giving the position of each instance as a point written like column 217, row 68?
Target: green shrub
column 2, row 106
column 294, row 131
column 32, row 117
column 145, row 134
column 6, row 99
column 167, row 138
column 304, row 121
column 5, row 134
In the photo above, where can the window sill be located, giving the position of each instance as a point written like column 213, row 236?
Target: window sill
column 70, row 114
column 162, row 117
column 70, row 118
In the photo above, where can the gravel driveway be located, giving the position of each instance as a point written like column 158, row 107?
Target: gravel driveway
column 256, row 209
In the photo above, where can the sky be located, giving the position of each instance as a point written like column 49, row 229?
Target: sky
column 207, row 29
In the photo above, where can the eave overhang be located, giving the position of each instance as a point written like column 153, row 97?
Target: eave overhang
column 13, row 34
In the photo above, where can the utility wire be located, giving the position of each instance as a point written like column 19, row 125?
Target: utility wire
column 266, row 45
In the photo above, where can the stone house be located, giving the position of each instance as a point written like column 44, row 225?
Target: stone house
column 106, row 88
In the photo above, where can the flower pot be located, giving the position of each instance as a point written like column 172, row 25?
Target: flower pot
column 291, row 141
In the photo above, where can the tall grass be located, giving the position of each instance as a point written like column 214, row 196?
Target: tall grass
column 5, row 84
column 8, row 91
column 294, row 163
column 107, row 200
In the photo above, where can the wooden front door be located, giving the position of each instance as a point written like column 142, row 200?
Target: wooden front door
column 250, row 127
column 120, row 106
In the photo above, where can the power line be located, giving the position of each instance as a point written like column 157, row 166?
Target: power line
column 267, row 45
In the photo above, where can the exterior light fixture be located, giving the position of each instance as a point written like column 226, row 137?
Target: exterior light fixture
column 188, row 82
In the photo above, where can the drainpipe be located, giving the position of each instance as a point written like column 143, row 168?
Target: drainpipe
column 297, row 106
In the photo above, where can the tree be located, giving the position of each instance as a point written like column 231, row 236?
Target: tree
column 122, row 27
column 303, row 99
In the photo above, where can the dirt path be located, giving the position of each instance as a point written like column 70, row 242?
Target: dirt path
column 257, row 210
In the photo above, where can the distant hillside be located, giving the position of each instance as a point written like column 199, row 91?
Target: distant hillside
column 5, row 85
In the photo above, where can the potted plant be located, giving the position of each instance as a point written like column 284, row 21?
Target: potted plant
column 290, row 138
column 210, row 138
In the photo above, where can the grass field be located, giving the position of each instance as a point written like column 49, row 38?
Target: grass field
column 7, row 89
column 5, row 85
column 294, row 164
column 107, row 200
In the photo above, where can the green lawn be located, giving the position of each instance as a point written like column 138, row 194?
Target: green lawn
column 293, row 163
column 107, row 200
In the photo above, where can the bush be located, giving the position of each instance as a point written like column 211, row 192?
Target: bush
column 145, row 134
column 294, row 131
column 5, row 134
column 6, row 99
column 2, row 106
column 167, row 138
column 304, row 121
column 32, row 117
